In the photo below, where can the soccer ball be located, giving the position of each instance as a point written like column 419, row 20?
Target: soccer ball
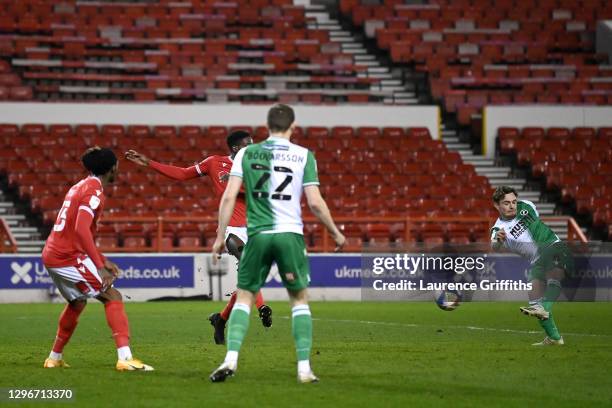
column 447, row 300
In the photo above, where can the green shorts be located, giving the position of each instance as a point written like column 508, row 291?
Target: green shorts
column 287, row 249
column 556, row 255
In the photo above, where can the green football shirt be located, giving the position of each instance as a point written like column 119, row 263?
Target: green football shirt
column 274, row 173
column 526, row 234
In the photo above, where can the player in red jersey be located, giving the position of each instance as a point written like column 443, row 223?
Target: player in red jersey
column 77, row 267
column 217, row 168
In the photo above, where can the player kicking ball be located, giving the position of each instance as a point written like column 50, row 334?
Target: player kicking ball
column 77, row 267
column 217, row 169
column 520, row 230
column 275, row 173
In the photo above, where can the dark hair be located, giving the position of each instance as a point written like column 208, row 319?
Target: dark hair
column 235, row 137
column 99, row 160
column 501, row 191
column 280, row 118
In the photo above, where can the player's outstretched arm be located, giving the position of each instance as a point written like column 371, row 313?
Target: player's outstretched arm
column 138, row 158
column 173, row 172
column 226, row 209
column 319, row 208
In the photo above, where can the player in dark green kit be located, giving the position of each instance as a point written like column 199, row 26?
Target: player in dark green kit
column 520, row 230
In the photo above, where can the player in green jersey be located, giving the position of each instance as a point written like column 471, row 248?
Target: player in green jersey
column 520, row 230
column 275, row 173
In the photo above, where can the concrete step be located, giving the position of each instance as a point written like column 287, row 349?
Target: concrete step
column 31, row 243
column 378, row 70
column 387, row 88
column 29, row 250
column 493, row 171
column 371, row 64
column 352, row 45
column 405, row 94
column 391, row 82
column 459, row 146
column 403, row 101
column 546, row 208
column 529, row 195
column 340, row 33
column 14, row 217
column 365, row 57
column 343, row 40
column 479, row 161
column 375, row 75
column 449, row 139
column 355, row 52
column 25, row 236
column 24, row 230
column 6, row 204
column 320, row 15
column 503, row 181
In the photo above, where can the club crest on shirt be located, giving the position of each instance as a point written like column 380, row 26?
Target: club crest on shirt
column 94, row 202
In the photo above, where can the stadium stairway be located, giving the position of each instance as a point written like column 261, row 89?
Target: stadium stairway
column 26, row 234
column 391, row 83
column 499, row 175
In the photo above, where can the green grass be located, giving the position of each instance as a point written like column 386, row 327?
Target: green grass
column 366, row 354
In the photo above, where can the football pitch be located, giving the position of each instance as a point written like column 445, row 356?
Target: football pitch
column 365, row 354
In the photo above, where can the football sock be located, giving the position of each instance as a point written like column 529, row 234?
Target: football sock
column 302, row 333
column 550, row 327
column 259, row 300
column 225, row 313
column 67, row 323
column 124, row 353
column 56, row 356
column 118, row 322
column 553, row 290
column 535, row 302
column 237, row 328
column 304, row 366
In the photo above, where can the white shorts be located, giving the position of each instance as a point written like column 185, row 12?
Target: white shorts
column 77, row 282
column 240, row 232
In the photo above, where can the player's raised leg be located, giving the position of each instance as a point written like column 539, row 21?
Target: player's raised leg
column 118, row 322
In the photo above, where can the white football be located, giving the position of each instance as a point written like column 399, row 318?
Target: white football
column 447, row 300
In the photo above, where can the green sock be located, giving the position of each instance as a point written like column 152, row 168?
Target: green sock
column 302, row 331
column 553, row 290
column 550, row 327
column 238, row 325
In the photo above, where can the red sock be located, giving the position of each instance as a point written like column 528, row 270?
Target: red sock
column 67, row 323
column 259, row 300
column 118, row 322
column 228, row 308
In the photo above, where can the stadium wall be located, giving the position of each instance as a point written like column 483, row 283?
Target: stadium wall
column 146, row 276
column 495, row 117
column 224, row 115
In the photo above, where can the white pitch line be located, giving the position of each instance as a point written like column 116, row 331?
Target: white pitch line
column 475, row 328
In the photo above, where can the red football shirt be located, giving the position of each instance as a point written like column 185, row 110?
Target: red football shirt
column 63, row 246
column 217, row 168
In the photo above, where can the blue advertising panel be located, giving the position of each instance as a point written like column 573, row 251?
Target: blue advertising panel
column 151, row 271
column 327, row 271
